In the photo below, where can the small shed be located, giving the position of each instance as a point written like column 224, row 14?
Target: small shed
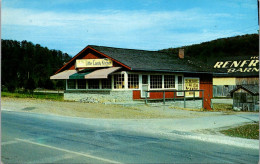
column 246, row 98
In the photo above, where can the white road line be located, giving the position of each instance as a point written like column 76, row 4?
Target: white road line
column 68, row 151
column 8, row 142
column 55, row 159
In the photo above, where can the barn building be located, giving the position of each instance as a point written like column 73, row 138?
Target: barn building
column 107, row 74
column 246, row 98
column 240, row 70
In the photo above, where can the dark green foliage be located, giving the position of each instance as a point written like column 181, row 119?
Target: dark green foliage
column 30, row 85
column 245, row 45
column 60, row 84
column 24, row 62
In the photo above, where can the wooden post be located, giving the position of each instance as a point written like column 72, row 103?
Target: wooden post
column 202, row 98
column 184, row 100
column 193, row 95
column 163, row 97
column 145, row 97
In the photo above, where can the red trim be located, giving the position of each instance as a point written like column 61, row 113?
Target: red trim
column 110, row 58
column 89, row 47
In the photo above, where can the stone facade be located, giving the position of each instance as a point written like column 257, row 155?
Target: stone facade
column 99, row 96
column 197, row 104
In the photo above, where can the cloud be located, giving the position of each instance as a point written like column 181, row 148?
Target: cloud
column 140, row 29
column 117, row 20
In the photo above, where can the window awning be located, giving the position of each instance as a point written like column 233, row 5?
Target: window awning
column 101, row 73
column 94, row 73
column 63, row 75
column 81, row 74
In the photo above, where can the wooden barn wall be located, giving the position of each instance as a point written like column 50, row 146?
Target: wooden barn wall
column 247, row 80
column 224, row 90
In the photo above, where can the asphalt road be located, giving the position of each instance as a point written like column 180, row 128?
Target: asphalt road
column 38, row 138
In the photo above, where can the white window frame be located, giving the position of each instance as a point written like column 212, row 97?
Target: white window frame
column 174, row 80
column 138, row 82
column 122, row 74
column 150, row 81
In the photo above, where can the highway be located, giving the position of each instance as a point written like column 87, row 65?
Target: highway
column 39, row 138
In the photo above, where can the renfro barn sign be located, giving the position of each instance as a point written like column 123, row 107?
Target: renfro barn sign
column 250, row 65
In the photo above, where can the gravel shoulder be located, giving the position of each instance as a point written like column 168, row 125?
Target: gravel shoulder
column 93, row 110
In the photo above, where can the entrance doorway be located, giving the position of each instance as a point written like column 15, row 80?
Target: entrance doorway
column 145, row 86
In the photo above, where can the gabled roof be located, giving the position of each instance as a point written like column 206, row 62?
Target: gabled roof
column 253, row 89
column 142, row 60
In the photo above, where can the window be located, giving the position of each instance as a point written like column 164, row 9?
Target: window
column 93, row 84
column 133, row 81
column 169, row 81
column 119, row 81
column 106, row 83
column 156, row 81
column 81, row 84
column 71, row 84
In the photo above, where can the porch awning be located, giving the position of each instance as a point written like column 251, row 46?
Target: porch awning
column 101, row 73
column 81, row 74
column 63, row 75
column 94, row 73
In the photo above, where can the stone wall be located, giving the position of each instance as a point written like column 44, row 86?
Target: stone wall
column 99, row 96
column 197, row 104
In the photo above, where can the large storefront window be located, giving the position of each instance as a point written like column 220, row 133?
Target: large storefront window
column 133, row 81
column 81, row 84
column 93, row 84
column 119, row 81
column 156, row 81
column 106, row 83
column 71, row 84
column 169, row 81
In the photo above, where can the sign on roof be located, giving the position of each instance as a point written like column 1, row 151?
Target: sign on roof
column 83, row 63
column 242, row 65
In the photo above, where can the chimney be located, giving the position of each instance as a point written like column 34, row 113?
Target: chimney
column 181, row 53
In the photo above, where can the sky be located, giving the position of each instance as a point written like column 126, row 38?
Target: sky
column 71, row 25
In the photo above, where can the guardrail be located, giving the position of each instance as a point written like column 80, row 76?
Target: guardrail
column 174, row 95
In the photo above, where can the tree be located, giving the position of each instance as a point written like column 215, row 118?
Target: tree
column 30, row 85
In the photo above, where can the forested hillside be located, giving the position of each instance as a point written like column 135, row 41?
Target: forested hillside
column 245, row 45
column 26, row 65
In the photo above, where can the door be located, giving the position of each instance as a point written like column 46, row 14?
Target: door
column 145, row 86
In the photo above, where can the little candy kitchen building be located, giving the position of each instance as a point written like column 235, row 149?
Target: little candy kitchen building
column 107, row 74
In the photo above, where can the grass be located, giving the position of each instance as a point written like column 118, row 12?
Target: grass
column 250, row 131
column 222, row 107
column 36, row 95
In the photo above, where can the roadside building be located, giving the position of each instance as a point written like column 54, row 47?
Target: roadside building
column 246, row 98
column 107, row 74
column 241, row 70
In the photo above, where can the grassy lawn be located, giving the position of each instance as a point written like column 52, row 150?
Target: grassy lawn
column 250, row 131
column 222, row 107
column 36, row 95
